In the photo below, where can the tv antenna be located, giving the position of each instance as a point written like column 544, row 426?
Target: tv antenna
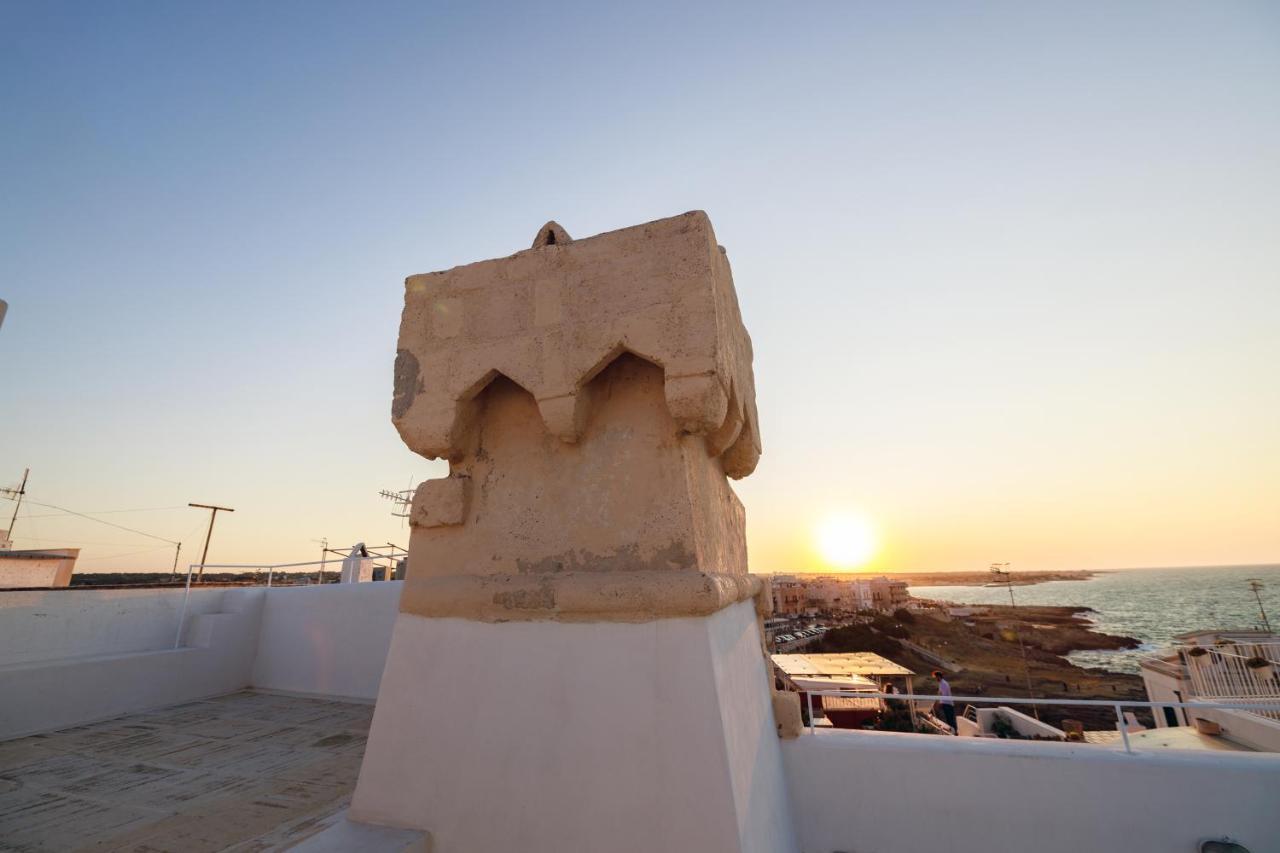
column 1256, row 586
column 1000, row 574
column 16, row 495
column 403, row 499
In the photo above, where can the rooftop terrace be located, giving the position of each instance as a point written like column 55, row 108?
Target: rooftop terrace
column 247, row 771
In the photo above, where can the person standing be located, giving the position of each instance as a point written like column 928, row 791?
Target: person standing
column 945, row 705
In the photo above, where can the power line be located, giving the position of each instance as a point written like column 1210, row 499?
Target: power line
column 121, row 556
column 107, row 511
column 65, row 540
column 100, row 521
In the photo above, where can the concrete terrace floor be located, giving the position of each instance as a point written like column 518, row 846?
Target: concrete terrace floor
column 248, row 771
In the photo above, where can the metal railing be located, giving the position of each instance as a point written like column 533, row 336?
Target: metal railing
column 1223, row 672
column 269, row 568
column 1117, row 706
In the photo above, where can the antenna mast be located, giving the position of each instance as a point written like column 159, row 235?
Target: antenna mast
column 1000, row 571
column 402, row 499
column 1256, row 586
column 17, row 495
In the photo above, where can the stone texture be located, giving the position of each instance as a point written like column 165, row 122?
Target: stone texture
column 591, row 397
column 245, row 771
column 552, row 317
column 579, row 596
column 575, row 646
column 786, row 712
column 439, row 503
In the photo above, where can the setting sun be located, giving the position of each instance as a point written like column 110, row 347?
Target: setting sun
column 845, row 540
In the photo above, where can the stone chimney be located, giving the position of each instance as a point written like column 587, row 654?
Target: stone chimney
column 591, row 397
column 578, row 663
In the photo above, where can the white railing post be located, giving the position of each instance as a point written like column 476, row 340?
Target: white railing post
column 1124, row 729
column 177, row 639
column 271, row 570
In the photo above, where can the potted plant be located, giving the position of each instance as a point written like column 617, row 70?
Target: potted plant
column 1002, row 728
column 1261, row 668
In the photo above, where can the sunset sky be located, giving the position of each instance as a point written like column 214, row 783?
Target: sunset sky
column 1012, row 271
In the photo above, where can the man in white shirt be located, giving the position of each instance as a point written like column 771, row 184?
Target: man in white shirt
column 946, row 706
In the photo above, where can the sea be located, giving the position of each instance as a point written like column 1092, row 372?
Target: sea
column 1150, row 605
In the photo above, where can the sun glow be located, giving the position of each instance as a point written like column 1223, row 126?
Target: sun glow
column 845, row 540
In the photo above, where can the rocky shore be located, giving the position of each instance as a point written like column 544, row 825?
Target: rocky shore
column 981, row 643
column 985, row 645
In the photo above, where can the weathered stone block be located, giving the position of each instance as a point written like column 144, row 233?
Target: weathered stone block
column 440, row 503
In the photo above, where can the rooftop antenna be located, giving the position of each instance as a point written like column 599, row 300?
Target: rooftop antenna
column 323, row 542
column 402, row 499
column 1000, row 571
column 16, row 494
column 1256, row 586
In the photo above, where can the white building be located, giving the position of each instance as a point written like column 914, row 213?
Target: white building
column 1219, row 666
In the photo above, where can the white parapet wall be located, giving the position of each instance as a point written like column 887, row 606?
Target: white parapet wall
column 329, row 640
column 881, row 792
column 214, row 659
column 69, row 657
column 49, row 625
column 1024, row 724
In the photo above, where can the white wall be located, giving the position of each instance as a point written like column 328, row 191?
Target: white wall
column 47, row 625
column 50, row 695
column 880, row 792
column 53, row 569
column 1252, row 730
column 329, row 640
column 69, row 657
column 1023, row 724
column 545, row 736
column 1164, row 688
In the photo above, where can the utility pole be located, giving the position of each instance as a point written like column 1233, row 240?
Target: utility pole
column 173, row 574
column 213, row 516
column 17, row 494
column 1256, row 586
column 1001, row 571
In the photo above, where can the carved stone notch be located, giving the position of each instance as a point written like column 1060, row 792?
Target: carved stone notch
column 591, row 396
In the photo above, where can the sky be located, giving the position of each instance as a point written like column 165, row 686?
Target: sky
column 1012, row 271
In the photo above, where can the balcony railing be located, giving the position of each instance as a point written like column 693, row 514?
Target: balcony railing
column 1265, row 706
column 1225, row 672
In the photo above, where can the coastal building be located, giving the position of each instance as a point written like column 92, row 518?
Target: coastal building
column 852, row 674
column 789, row 595
column 815, row 594
column 1219, row 666
column 569, row 666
